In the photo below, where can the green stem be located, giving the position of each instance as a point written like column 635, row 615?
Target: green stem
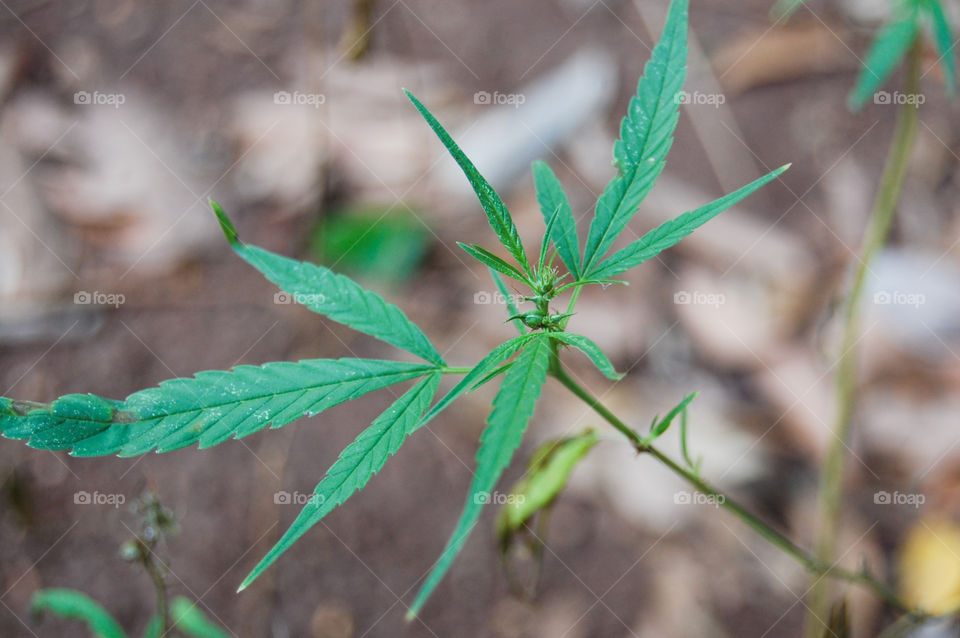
column 881, row 219
column 454, row 370
column 809, row 562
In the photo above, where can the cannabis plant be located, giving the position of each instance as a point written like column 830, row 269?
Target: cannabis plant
column 214, row 406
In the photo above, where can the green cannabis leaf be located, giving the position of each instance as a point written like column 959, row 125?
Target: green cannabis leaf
column 553, row 201
column 207, row 409
column 357, row 464
column 496, row 210
column 336, row 296
column 671, row 232
column 646, row 135
column 214, row 406
column 512, row 409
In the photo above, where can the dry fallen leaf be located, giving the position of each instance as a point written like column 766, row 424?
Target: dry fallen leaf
column 930, row 566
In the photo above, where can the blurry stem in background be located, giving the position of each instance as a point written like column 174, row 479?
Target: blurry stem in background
column 832, row 473
column 355, row 42
column 810, row 563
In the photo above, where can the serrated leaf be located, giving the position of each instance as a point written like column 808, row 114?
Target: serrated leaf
column 511, row 307
column 590, row 349
column 512, row 409
column 490, row 260
column 545, row 242
column 208, row 408
column 552, row 201
column 75, row 605
column 661, row 426
column 943, row 40
column 547, row 474
column 888, row 48
column 670, row 233
column 646, row 135
column 493, row 206
column 335, row 296
column 188, row 619
column 356, row 465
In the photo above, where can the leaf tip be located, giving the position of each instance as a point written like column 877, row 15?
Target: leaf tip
column 229, row 231
column 411, row 614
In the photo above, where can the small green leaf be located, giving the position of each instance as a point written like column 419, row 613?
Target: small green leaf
column 187, row 618
column 943, row 39
column 783, row 9
column 208, row 408
column 511, row 307
column 490, row 260
column 545, row 243
column 547, row 474
column 357, row 464
column 493, row 206
column 670, row 233
column 74, row 605
column 590, row 349
column 512, row 409
column 335, row 296
column 554, row 201
column 661, row 426
column 154, row 628
column 646, row 135
column 888, row 48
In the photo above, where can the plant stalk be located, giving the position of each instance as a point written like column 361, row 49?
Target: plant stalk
column 881, row 219
column 809, row 562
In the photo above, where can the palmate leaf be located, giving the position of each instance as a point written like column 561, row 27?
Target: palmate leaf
column 646, row 135
column 888, row 48
column 75, row 605
column 552, row 199
column 493, row 206
column 943, row 40
column 590, row 349
column 512, row 409
column 336, row 296
column 670, row 233
column 357, row 464
column 206, row 409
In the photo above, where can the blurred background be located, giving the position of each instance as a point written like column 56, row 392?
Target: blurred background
column 119, row 119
